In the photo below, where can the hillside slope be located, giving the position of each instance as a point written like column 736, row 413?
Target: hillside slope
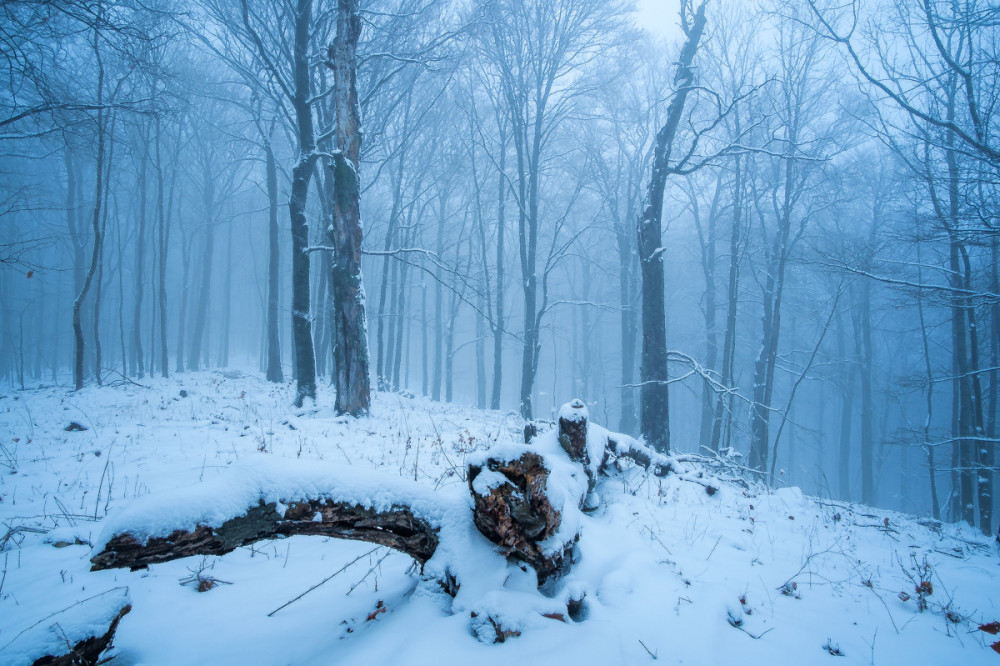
column 668, row 572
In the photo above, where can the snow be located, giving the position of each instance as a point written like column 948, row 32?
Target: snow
column 663, row 568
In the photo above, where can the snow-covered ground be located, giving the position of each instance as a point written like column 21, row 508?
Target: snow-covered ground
column 669, row 572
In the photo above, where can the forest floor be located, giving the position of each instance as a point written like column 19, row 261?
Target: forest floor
column 670, row 573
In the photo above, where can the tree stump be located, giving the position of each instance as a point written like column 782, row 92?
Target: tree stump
column 513, row 510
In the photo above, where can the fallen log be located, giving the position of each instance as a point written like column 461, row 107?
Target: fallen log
column 396, row 528
column 77, row 635
column 526, row 500
column 88, row 651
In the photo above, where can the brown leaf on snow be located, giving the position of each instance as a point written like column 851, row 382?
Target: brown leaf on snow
column 379, row 608
column 990, row 628
column 996, row 647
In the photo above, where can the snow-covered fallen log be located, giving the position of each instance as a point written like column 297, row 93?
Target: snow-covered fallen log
column 275, row 500
column 527, row 506
column 74, row 636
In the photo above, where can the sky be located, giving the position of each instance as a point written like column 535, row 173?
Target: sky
column 658, row 16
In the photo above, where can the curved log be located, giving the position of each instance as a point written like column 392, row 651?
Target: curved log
column 88, row 651
column 396, row 528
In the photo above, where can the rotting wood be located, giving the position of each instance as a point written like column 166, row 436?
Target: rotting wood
column 517, row 515
column 88, row 651
column 397, row 528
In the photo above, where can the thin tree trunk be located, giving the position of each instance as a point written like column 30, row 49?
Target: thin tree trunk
column 99, row 286
column 274, row 372
column 723, row 401
column 400, row 310
column 928, row 446
column 847, row 377
column 140, row 254
column 208, row 252
column 708, row 259
column 227, row 300
column 381, row 357
column 991, row 409
column 498, row 327
column 185, row 293
column 439, row 305
column 99, row 190
column 423, row 339
column 863, row 347
column 983, row 451
column 162, row 234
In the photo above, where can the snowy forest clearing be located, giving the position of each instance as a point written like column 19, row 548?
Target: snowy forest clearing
column 665, row 570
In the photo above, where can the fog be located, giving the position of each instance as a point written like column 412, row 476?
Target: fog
column 764, row 230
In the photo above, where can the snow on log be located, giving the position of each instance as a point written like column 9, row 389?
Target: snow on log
column 396, row 528
column 74, row 636
column 277, row 500
column 526, row 507
column 513, row 511
column 527, row 499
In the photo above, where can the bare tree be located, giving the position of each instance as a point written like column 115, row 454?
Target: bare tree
column 353, row 381
column 654, row 394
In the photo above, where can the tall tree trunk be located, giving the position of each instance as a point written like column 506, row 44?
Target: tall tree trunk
column 98, row 190
column 498, row 327
column 847, row 376
column 208, row 252
column 186, row 243
column 394, row 330
column 140, row 255
column 994, row 375
column 162, row 238
column 654, row 397
column 353, row 381
column 439, row 304
column 724, row 401
column 425, row 374
column 481, row 355
column 305, row 364
column 99, row 286
column 528, row 240
column 397, row 201
column 863, row 349
column 227, row 294
column 399, row 310
column 928, row 445
column 708, row 256
column 983, row 450
column 274, row 372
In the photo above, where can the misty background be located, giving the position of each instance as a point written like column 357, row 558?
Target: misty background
column 829, row 239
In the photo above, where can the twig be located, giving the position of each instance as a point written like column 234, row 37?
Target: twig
column 369, row 572
column 651, row 653
column 322, row 582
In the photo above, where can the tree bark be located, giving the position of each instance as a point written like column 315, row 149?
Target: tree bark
column 397, row 527
column 724, row 401
column 162, row 241
column 498, row 327
column 653, row 394
column 99, row 195
column 305, row 362
column 88, row 651
column 140, row 255
column 208, row 251
column 353, row 381
column 274, row 372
